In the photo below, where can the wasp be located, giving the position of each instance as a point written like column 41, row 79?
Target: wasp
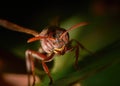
column 54, row 40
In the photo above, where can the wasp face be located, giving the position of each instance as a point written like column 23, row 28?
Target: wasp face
column 59, row 44
column 56, row 44
column 59, row 47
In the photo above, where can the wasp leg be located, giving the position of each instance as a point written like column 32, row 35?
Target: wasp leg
column 76, row 55
column 82, row 47
column 30, row 56
column 47, row 71
column 30, row 66
column 77, row 48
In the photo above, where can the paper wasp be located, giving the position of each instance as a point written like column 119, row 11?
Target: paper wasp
column 54, row 40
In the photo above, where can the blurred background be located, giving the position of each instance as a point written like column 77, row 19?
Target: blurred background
column 101, row 36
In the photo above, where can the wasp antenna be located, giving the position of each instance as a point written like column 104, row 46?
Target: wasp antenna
column 35, row 39
column 14, row 27
column 38, row 38
column 74, row 27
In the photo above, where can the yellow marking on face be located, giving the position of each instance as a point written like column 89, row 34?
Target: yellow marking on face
column 57, row 50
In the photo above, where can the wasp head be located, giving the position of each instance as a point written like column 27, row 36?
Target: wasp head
column 59, row 43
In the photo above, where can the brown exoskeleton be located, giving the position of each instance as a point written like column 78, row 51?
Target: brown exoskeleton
column 54, row 41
